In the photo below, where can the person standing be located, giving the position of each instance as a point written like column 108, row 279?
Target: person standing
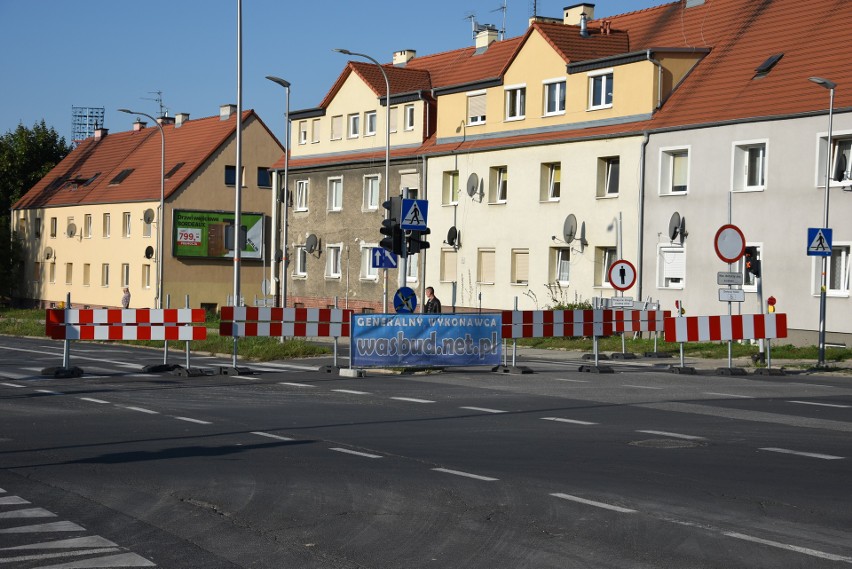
column 125, row 299
column 433, row 304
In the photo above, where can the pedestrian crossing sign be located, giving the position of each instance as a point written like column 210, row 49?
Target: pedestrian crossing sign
column 414, row 215
column 819, row 242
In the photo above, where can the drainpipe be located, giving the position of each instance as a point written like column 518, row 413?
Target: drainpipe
column 639, row 263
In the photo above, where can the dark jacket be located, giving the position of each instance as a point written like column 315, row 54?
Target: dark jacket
column 432, row 306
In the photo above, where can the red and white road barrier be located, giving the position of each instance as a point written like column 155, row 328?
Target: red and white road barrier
column 244, row 321
column 556, row 323
column 125, row 324
column 639, row 320
column 720, row 328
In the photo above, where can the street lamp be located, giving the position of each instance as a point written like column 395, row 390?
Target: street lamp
column 160, row 237
column 830, row 85
column 286, row 86
column 387, row 150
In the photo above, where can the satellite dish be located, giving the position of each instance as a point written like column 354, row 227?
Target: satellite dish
column 683, row 232
column 840, row 169
column 148, row 216
column 674, row 226
column 311, row 243
column 569, row 228
column 452, row 236
column 583, row 241
column 472, row 185
column 149, row 252
column 72, row 230
column 48, row 252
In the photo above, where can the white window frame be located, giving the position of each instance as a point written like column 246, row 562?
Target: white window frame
column 561, row 259
column 372, row 186
column 335, row 197
column 334, row 261
column 480, row 253
column 370, row 123
column 839, row 138
column 516, row 102
column 671, row 261
column 408, row 116
column 87, row 226
column 551, row 190
column 560, row 87
column 368, row 272
column 412, row 267
column 337, row 127
column 146, row 276
column 605, row 172
column 54, row 227
column 316, row 131
column 499, row 191
column 354, row 128
column 300, row 264
column 69, row 273
column 303, row 132
column 51, row 272
column 125, row 274
column 107, row 225
column 302, row 189
column 605, row 87
column 449, row 258
column 104, row 275
column 519, row 256
column 740, row 154
column 450, row 188
column 477, row 119
column 393, row 119
column 605, row 256
column 845, row 276
column 125, row 224
column 87, row 274
column 668, row 163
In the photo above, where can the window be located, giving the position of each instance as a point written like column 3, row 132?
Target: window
column 146, row 227
column 516, row 102
column 146, row 276
column 450, row 188
column 674, row 171
column 485, row 266
column 300, row 267
column 337, row 127
column 412, row 267
column 53, row 227
column 335, row 194
column 370, row 123
column 476, row 108
column 554, row 97
column 408, row 117
column 551, row 182
column 749, row 280
column 368, row 272
column 837, row 271
column 37, row 272
column 70, row 228
column 600, row 90
column 333, row 261
column 174, row 170
column 520, row 266
column 394, row 112
column 301, row 195
column 841, row 166
column 69, row 273
column 105, row 274
column 303, row 132
column 371, row 193
column 449, row 265
column 51, row 273
column 264, row 177
column 608, row 176
column 120, row 177
column 125, row 224
column 499, row 187
column 125, row 274
column 604, row 258
column 106, row 225
column 749, row 166
column 354, row 125
column 671, row 266
column 561, row 270
column 37, row 230
column 315, row 131
column 87, row 226
column 87, row 274
column 231, row 176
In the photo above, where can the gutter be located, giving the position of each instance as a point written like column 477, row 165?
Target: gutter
column 641, row 241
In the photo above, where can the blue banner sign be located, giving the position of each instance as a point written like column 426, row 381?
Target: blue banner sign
column 426, row 340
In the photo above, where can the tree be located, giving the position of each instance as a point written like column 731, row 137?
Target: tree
column 26, row 156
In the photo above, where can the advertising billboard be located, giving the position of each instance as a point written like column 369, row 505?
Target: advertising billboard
column 211, row 234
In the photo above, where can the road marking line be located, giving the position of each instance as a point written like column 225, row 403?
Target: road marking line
column 12, row 501
column 143, row 410
column 94, row 541
column 412, row 400
column 595, row 504
column 191, row 420
column 291, row 384
column 572, row 380
column 728, row 395
column 11, row 385
column 45, row 528
column 45, row 556
column 93, row 400
column 28, row 513
column 788, row 547
column 355, row 452
column 49, row 392
column 351, row 391
column 483, row 409
column 271, row 436
column 807, row 454
column 641, row 386
column 673, row 435
column 836, row 406
column 245, row 377
column 466, row 474
column 572, row 421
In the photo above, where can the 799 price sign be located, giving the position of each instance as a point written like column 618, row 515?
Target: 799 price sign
column 190, row 236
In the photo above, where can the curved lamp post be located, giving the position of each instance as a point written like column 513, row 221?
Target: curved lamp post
column 286, row 85
column 387, row 149
column 160, row 213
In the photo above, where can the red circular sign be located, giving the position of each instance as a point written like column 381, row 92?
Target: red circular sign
column 622, row 275
column 729, row 243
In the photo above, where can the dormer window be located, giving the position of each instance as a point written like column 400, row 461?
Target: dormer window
column 516, row 102
column 476, row 108
column 600, row 90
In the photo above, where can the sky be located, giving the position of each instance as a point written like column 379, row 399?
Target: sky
column 59, row 54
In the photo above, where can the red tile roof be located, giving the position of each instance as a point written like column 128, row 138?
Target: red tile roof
column 567, row 41
column 192, row 143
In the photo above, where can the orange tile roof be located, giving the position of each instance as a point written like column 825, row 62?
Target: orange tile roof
column 567, row 41
column 192, row 143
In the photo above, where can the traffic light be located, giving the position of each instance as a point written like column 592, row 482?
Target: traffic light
column 752, row 263
column 390, row 226
column 416, row 241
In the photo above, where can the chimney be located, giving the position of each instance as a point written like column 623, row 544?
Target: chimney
column 225, row 111
column 572, row 15
column 100, row 133
column 139, row 125
column 165, row 120
column 181, row 118
column 486, row 34
column 400, row 58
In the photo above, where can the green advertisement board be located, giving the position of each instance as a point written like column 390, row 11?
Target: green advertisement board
column 211, row 234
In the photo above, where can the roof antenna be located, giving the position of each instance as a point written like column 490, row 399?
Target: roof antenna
column 472, row 17
column 164, row 112
column 503, row 9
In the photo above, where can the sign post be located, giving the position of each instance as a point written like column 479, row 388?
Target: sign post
column 622, row 276
column 730, row 247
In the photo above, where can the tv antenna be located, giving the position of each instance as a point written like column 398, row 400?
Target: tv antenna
column 504, row 9
column 164, row 112
column 472, row 17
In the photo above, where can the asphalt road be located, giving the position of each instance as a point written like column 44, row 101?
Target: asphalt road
column 294, row 467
